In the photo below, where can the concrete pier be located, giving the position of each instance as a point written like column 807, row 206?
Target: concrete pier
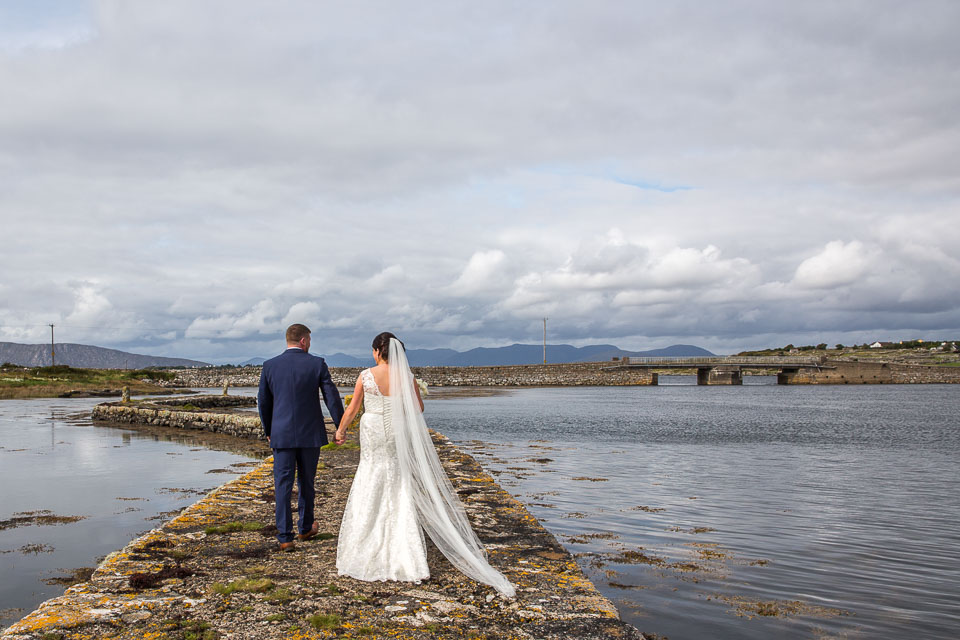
column 718, row 375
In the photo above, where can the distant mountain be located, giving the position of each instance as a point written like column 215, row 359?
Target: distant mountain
column 560, row 353
column 431, row 357
column 252, row 362
column 86, row 356
column 674, row 351
column 519, row 354
column 343, row 360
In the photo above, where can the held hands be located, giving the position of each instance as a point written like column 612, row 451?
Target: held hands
column 341, row 436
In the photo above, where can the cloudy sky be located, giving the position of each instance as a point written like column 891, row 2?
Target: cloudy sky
column 186, row 178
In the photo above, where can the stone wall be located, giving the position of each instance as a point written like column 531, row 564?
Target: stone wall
column 845, row 372
column 208, row 402
column 527, row 375
column 835, row 372
column 919, row 374
column 598, row 374
column 234, row 424
column 238, row 377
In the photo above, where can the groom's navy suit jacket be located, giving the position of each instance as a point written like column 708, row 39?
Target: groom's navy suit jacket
column 289, row 402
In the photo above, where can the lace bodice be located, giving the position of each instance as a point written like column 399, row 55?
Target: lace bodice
column 373, row 400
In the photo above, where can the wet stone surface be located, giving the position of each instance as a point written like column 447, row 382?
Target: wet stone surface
column 214, row 571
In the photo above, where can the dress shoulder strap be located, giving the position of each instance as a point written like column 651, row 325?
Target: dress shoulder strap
column 369, row 382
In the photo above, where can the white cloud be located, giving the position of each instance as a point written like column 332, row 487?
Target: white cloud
column 483, row 272
column 838, row 264
column 302, row 313
column 262, row 319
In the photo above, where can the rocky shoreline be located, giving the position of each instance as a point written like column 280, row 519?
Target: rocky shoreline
column 603, row 374
column 525, row 375
column 214, row 572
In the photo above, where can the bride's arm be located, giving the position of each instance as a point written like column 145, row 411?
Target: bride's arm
column 416, row 388
column 355, row 403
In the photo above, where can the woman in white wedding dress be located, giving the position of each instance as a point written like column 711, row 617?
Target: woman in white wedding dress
column 400, row 488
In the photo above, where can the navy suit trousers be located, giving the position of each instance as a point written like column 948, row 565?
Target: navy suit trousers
column 302, row 462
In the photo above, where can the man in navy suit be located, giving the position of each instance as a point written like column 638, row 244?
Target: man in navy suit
column 289, row 405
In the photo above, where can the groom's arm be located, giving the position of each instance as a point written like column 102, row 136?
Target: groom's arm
column 265, row 404
column 331, row 396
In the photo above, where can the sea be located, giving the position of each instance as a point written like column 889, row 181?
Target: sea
column 754, row 511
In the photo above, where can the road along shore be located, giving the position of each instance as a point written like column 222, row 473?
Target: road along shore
column 214, row 572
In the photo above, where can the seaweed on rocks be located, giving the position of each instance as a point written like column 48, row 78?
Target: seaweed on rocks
column 141, row 580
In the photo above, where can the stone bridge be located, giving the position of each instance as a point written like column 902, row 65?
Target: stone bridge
column 729, row 369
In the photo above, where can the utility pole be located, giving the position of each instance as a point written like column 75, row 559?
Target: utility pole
column 53, row 360
column 544, row 341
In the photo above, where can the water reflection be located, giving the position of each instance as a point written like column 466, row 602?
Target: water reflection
column 74, row 492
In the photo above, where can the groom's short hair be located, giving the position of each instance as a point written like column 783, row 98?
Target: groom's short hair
column 296, row 333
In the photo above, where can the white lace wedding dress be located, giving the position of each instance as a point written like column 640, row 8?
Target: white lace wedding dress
column 380, row 538
column 401, row 490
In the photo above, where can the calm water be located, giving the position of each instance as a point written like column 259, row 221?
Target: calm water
column 838, row 507
column 121, row 482
column 835, row 507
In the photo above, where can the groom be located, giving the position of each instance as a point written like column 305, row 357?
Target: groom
column 289, row 406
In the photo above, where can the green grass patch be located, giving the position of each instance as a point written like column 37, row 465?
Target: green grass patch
column 256, row 569
column 333, row 446
column 150, row 374
column 243, row 585
column 32, row 382
column 196, row 630
column 280, row 595
column 333, row 590
column 232, row 527
column 276, row 617
column 327, row 621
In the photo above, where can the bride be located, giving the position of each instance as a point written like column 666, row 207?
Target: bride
column 400, row 488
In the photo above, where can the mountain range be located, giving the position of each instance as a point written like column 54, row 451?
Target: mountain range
column 86, row 356
column 519, row 354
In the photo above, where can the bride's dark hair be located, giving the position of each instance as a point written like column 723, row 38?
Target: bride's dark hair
column 381, row 344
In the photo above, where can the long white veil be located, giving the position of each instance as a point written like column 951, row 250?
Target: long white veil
column 441, row 514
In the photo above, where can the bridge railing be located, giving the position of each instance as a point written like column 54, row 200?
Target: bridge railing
column 755, row 360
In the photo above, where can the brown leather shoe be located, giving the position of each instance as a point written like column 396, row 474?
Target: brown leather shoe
column 288, row 546
column 309, row 535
